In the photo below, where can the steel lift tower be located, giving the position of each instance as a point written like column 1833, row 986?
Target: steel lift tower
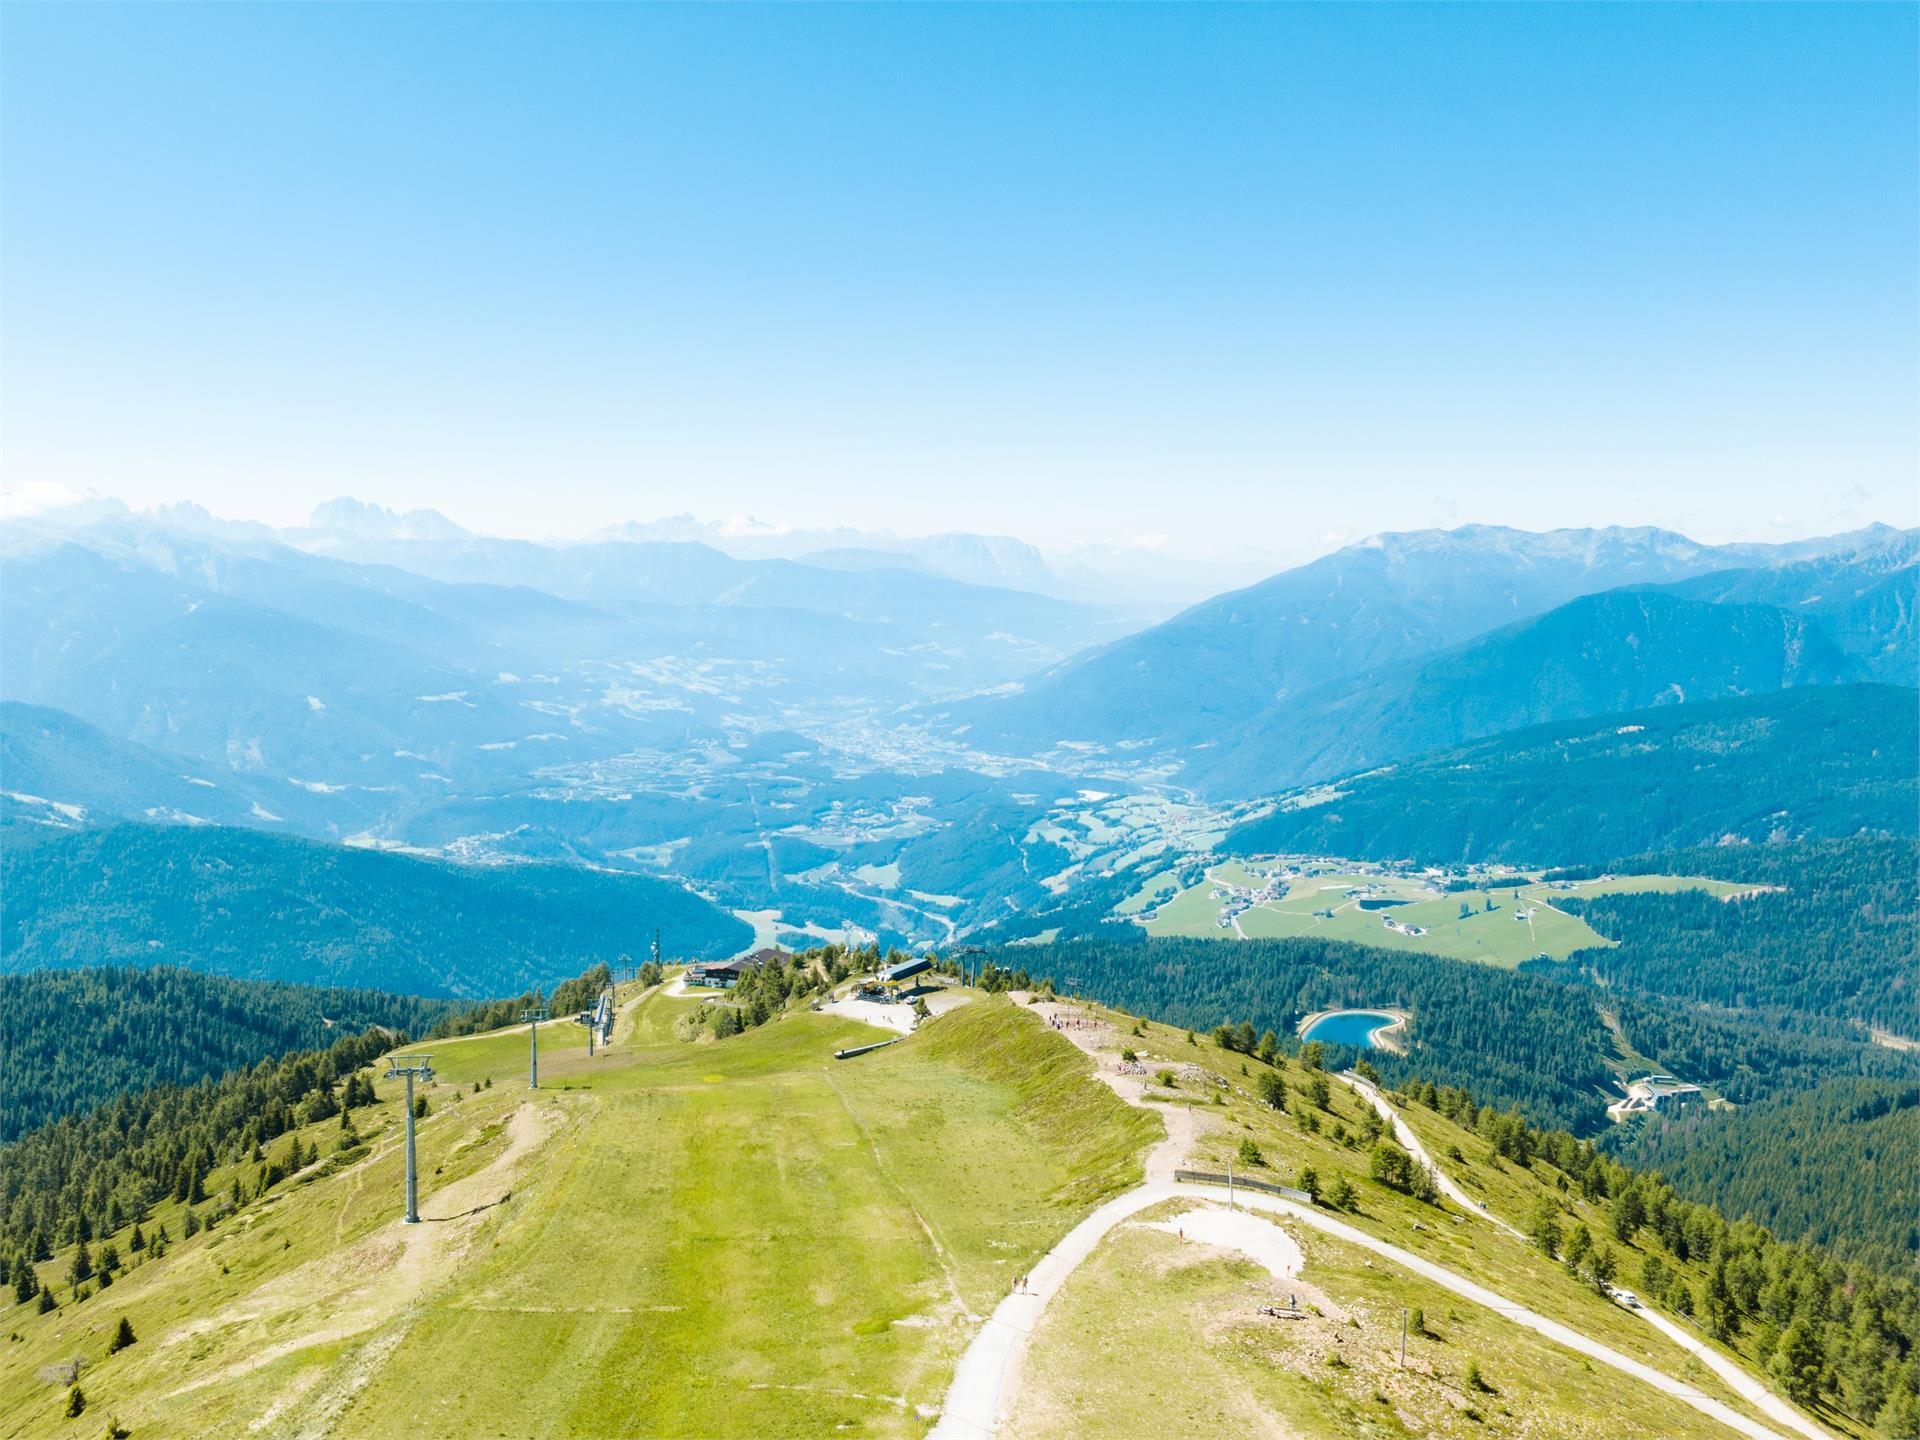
column 415, row 1066
column 534, row 1014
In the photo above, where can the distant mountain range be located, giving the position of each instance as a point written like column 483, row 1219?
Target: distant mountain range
column 1823, row 761
column 854, row 746
column 62, row 773
column 1409, row 642
column 996, row 560
column 333, row 692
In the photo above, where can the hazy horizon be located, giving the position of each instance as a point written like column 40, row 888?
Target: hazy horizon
column 747, row 531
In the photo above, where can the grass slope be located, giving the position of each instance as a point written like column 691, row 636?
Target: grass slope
column 1156, row 1335
column 733, row 1237
column 746, row 1237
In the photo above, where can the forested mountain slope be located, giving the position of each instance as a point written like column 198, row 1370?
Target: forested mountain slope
column 1758, row 997
column 1837, row 1166
column 1601, row 654
column 1523, row 1040
column 1816, row 761
column 1381, row 601
column 1835, row 935
column 75, row 1038
column 269, row 907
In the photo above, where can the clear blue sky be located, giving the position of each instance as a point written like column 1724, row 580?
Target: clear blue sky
column 1258, row 276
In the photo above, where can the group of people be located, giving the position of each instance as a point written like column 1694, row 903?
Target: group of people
column 1071, row 1022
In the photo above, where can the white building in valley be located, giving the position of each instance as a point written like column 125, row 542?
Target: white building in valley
column 1655, row 1092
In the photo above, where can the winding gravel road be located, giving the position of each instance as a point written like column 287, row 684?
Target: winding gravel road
column 977, row 1396
column 1737, row 1378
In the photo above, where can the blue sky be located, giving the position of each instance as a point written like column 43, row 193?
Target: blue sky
column 1198, row 276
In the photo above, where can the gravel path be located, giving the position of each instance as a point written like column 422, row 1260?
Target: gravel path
column 975, row 1400
column 1737, row 1378
column 1410, row 1143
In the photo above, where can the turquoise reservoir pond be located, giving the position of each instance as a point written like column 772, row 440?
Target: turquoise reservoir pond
column 1348, row 1027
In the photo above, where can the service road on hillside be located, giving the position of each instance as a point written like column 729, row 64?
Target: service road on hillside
column 978, row 1396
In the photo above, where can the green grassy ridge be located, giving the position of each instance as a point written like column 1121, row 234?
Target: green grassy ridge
column 745, row 1236
column 734, row 1236
column 1102, row 1133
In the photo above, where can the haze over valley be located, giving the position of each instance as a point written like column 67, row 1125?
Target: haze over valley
column 876, row 752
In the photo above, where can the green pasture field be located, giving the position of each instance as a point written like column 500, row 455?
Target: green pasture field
column 1641, row 885
column 1151, row 893
column 1493, row 937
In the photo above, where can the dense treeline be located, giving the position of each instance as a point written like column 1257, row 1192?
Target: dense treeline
column 85, row 1175
column 1753, row 1056
column 1839, row 936
column 1831, row 1334
column 88, row 1175
column 1818, row 760
column 789, row 981
column 271, row 907
column 569, row 998
column 1838, row 1166
column 1531, row 1042
column 74, row 1038
column 781, row 984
